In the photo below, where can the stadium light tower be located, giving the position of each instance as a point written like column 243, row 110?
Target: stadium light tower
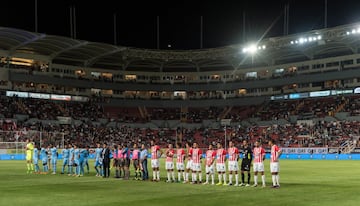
column 225, row 123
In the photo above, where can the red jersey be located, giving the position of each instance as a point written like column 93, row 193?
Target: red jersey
column 210, row 156
column 196, row 155
column 180, row 154
column 154, row 152
column 190, row 151
column 169, row 155
column 220, row 156
column 274, row 153
column 259, row 154
column 233, row 154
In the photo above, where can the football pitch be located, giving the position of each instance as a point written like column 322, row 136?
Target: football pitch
column 303, row 182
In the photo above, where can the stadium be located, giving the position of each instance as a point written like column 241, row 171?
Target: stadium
column 301, row 91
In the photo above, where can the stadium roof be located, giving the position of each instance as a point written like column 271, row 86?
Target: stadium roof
column 341, row 40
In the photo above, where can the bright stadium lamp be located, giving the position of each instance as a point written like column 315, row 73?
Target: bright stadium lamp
column 252, row 49
column 347, row 33
column 301, row 40
column 292, row 42
column 319, row 37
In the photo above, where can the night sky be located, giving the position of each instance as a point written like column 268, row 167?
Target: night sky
column 179, row 20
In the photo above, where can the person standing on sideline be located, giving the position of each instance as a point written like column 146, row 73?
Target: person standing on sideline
column 126, row 156
column 246, row 163
column 196, row 163
column 106, row 160
column 86, row 158
column 98, row 160
column 189, row 163
column 155, row 165
column 136, row 162
column 65, row 156
column 36, row 159
column 220, row 163
column 169, row 164
column 29, row 156
column 54, row 156
column 71, row 159
column 180, row 157
column 210, row 160
column 143, row 160
column 274, row 163
column 233, row 163
column 259, row 157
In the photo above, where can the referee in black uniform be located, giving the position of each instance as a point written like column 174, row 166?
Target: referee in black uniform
column 106, row 160
column 246, row 163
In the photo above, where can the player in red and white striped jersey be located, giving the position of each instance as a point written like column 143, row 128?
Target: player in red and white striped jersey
column 155, row 154
column 210, row 160
column 196, row 163
column 169, row 165
column 259, row 157
column 180, row 157
column 233, row 163
column 274, row 163
column 220, row 163
column 189, row 162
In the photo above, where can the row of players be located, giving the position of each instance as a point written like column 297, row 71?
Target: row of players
column 218, row 157
column 122, row 155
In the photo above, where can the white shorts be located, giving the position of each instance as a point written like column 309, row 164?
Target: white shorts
column 189, row 165
column 155, row 163
column 196, row 167
column 209, row 169
column 180, row 166
column 274, row 167
column 233, row 166
column 220, row 167
column 169, row 165
column 259, row 167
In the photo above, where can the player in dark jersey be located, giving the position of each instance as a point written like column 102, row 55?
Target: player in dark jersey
column 246, row 163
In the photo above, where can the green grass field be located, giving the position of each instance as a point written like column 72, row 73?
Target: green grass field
column 303, row 182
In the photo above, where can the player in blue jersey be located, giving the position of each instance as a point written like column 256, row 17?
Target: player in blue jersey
column 44, row 160
column 54, row 156
column 65, row 155
column 76, row 160
column 71, row 160
column 86, row 158
column 98, row 160
column 82, row 153
column 36, row 160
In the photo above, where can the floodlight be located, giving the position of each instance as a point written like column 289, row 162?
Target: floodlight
column 347, row 33
column 264, row 47
column 319, row 37
column 353, row 31
column 310, row 39
column 301, row 40
column 292, row 42
column 252, row 49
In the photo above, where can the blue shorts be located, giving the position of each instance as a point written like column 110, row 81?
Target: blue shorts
column 76, row 162
column 65, row 161
column 98, row 163
column 35, row 161
column 44, row 161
